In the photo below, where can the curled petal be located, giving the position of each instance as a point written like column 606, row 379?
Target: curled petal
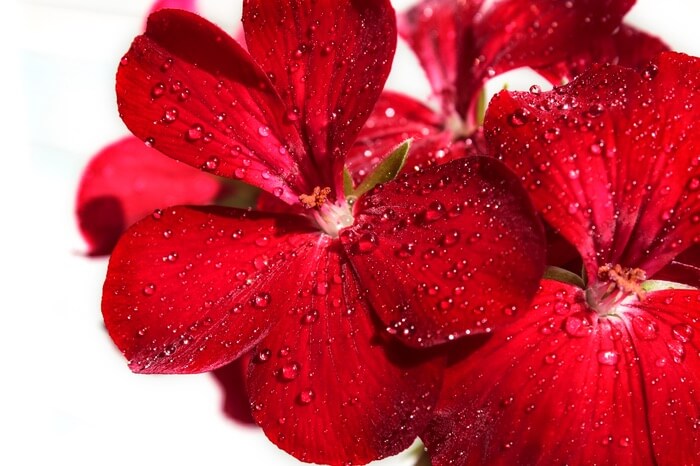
column 321, row 55
column 611, row 160
column 462, row 263
column 126, row 181
column 327, row 385
column 537, row 34
column 191, row 289
column 563, row 385
column 627, row 46
column 434, row 29
column 193, row 93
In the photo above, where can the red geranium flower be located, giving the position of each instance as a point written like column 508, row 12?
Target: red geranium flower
column 461, row 44
column 317, row 296
column 604, row 369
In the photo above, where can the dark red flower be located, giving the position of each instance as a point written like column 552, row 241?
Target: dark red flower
column 461, row 44
column 321, row 297
column 604, row 369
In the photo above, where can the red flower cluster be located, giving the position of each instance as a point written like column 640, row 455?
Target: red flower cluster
column 343, row 299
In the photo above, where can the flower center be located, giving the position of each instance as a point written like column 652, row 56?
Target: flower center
column 329, row 217
column 615, row 284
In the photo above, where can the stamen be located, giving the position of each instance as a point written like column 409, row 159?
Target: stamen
column 626, row 280
column 316, row 199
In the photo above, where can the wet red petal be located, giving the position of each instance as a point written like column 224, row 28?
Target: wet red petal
column 197, row 96
column 191, row 289
column 611, row 160
column 394, row 119
column 537, row 34
column 231, row 378
column 462, row 262
column 564, row 386
column 327, row 385
column 321, row 55
column 126, row 181
column 627, row 46
column 434, row 29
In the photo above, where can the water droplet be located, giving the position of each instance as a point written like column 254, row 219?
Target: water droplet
column 157, row 214
column 677, row 350
column 434, row 212
column 170, row 115
column 211, row 164
column 682, row 332
column 645, row 328
column 158, row 90
column 195, row 133
column 261, row 300
column 578, row 325
column 608, row 357
column 306, row 396
column 310, row 317
column 535, row 89
column 239, row 173
column 368, row 242
column 519, row 117
column 263, row 355
column 149, row 289
column 650, row 72
column 449, row 239
column 264, row 131
column 290, row 371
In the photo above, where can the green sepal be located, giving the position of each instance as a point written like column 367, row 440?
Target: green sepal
column 660, row 285
column 348, row 184
column 386, row 171
column 564, row 276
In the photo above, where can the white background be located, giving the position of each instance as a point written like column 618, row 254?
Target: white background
column 66, row 394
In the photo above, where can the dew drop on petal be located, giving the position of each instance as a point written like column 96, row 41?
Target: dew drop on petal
column 290, row 371
column 519, row 117
column 306, row 396
column 608, row 357
column 170, row 115
column 149, row 289
column 261, row 300
column 264, row 131
column 644, row 328
column 682, row 332
column 368, row 242
column 310, row 317
column 158, row 90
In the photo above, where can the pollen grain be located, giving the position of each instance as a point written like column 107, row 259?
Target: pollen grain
column 625, row 279
column 316, row 199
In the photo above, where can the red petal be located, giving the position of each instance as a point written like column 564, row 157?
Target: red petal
column 191, row 289
column 231, row 378
column 685, row 268
column 564, row 386
column 611, row 160
column 197, row 96
column 461, row 262
column 394, row 119
column 434, row 29
column 126, row 181
column 327, row 385
column 537, row 34
column 322, row 55
column 627, row 46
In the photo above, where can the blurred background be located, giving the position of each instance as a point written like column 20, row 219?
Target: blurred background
column 67, row 394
